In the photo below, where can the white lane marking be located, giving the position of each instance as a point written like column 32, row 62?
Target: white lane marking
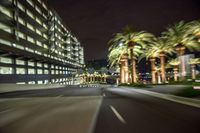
column 4, row 111
column 60, row 96
column 117, row 114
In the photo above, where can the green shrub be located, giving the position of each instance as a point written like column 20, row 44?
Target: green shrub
column 188, row 92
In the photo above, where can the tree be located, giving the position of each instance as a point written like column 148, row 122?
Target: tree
column 194, row 28
column 150, row 54
column 180, row 38
column 193, row 62
column 163, row 48
column 133, row 42
column 174, row 63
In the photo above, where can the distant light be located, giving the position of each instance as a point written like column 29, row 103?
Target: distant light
column 120, row 44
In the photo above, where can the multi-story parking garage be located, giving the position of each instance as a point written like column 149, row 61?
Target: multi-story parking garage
column 35, row 45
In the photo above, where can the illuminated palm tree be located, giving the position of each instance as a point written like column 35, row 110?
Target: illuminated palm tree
column 163, row 48
column 150, row 54
column 134, row 43
column 194, row 28
column 180, row 38
column 174, row 63
column 193, row 62
column 158, row 71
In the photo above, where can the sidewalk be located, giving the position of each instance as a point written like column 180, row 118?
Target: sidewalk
column 22, row 87
column 187, row 101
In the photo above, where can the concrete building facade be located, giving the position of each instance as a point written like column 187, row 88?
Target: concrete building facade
column 36, row 46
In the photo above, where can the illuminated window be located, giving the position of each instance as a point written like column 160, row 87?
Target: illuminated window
column 30, row 14
column 38, row 20
column 30, row 27
column 31, row 71
column 5, row 60
column 31, row 82
column 31, row 63
column 20, row 6
column 38, row 9
column 39, row 71
column 6, row 70
column 20, row 70
column 45, row 65
column 20, row 62
column 21, row 35
column 30, row 2
column 38, row 32
column 39, row 43
column 39, row 64
column 6, row 11
column 5, row 28
column 46, row 71
column 52, row 72
column 30, row 39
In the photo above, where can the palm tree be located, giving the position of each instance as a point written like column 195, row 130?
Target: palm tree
column 180, row 38
column 193, row 62
column 158, row 70
column 163, row 48
column 174, row 63
column 150, row 54
column 134, row 43
column 194, row 28
column 116, row 57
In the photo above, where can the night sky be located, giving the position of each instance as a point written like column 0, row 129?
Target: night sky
column 94, row 22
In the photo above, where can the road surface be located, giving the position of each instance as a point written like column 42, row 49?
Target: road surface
column 97, row 110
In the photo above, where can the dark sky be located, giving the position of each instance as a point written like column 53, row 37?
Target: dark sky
column 94, row 22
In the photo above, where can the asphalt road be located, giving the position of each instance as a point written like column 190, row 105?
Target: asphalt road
column 145, row 114
column 75, row 110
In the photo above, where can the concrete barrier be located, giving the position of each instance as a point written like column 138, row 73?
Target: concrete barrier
column 21, row 87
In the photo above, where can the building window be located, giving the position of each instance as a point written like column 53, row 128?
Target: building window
column 20, row 6
column 21, row 21
column 39, row 64
column 20, row 62
column 38, row 32
column 38, row 9
column 31, row 71
column 45, row 65
column 30, row 2
column 5, row 28
column 39, row 71
column 30, row 39
column 40, row 82
column 6, row 11
column 30, row 26
column 52, row 72
column 20, row 71
column 21, row 35
column 39, row 21
column 31, row 82
column 31, row 63
column 46, row 71
column 5, row 60
column 30, row 14
column 6, row 70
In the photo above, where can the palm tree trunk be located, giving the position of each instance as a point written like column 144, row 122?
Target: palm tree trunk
column 153, row 71
column 162, row 63
column 175, row 73
column 121, row 72
column 181, row 51
column 125, row 68
column 133, row 74
column 193, row 67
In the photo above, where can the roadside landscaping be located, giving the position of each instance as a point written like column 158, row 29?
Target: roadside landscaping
column 183, row 89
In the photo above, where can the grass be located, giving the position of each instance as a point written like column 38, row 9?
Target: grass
column 138, row 85
column 188, row 92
